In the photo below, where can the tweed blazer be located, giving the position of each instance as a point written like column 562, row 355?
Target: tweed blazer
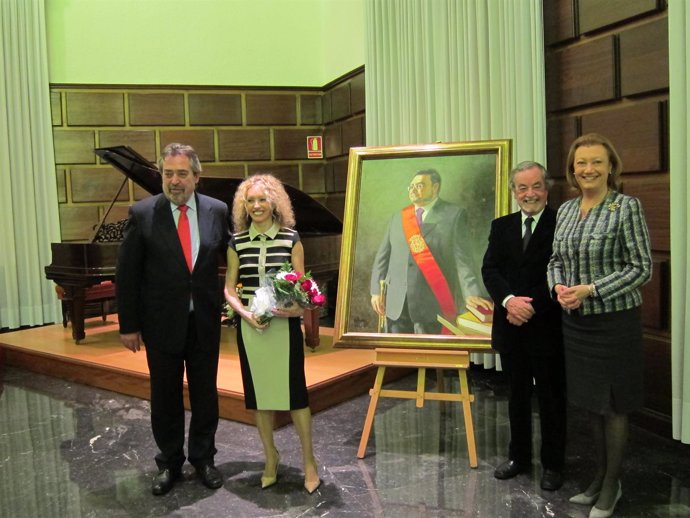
column 609, row 248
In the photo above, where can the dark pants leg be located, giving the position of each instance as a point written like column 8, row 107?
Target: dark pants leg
column 202, row 372
column 546, row 374
column 167, row 407
column 167, row 404
column 549, row 373
column 517, row 367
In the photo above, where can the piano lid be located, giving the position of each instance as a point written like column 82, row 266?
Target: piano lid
column 312, row 217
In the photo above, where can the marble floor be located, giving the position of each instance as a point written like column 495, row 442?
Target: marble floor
column 67, row 450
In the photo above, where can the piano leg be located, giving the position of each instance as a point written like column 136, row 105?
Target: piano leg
column 77, row 296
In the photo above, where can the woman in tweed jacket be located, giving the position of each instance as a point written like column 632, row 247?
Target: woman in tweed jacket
column 601, row 258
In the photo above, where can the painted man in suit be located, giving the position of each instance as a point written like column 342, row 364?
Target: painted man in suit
column 169, row 299
column 526, row 327
column 423, row 262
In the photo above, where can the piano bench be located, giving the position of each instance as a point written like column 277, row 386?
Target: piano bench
column 101, row 293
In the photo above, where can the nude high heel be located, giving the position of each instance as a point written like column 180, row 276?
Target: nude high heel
column 269, row 479
column 605, row 513
column 312, row 485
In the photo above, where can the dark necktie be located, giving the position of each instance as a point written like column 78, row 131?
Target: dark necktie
column 419, row 213
column 185, row 235
column 528, row 232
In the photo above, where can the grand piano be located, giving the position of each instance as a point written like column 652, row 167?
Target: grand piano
column 76, row 266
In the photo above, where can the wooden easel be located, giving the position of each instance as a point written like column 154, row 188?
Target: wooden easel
column 421, row 359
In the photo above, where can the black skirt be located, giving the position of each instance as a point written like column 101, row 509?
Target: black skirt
column 603, row 361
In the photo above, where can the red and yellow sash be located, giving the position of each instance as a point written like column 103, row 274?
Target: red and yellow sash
column 428, row 265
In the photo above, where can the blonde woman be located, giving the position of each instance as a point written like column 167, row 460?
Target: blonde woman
column 271, row 353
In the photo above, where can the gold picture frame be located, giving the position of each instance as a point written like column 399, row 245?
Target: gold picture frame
column 474, row 178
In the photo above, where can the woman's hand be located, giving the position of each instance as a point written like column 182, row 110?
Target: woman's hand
column 571, row 297
column 253, row 320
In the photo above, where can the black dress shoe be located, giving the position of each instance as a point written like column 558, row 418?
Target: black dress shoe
column 509, row 469
column 551, row 480
column 210, row 476
column 164, row 481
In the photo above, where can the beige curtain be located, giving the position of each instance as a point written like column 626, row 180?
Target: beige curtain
column 456, row 70
column 679, row 99
column 28, row 203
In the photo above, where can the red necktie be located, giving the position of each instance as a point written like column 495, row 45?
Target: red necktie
column 419, row 212
column 185, row 235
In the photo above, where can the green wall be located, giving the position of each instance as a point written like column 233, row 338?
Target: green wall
column 204, row 42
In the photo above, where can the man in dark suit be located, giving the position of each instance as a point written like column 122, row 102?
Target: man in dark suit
column 169, row 298
column 526, row 327
column 423, row 262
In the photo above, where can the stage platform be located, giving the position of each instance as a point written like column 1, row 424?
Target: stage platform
column 333, row 375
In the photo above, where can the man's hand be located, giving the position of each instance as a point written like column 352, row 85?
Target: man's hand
column 378, row 305
column 519, row 310
column 131, row 341
column 475, row 301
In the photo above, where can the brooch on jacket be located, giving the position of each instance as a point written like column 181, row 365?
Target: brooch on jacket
column 613, row 206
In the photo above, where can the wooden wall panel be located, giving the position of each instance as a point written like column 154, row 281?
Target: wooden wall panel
column 326, row 107
column 559, row 21
column 117, row 213
column 74, row 147
column 215, row 109
column 139, row 193
column 313, row 177
column 339, row 175
column 644, row 57
column 636, row 132
column 595, row 14
column 357, row 94
column 333, row 141
column 561, row 133
column 353, row 133
column 76, row 223
column 310, row 109
column 653, row 192
column 240, row 144
column 286, row 173
column 213, row 122
column 142, row 141
column 95, row 108
column 60, row 173
column 340, row 102
column 271, row 109
column 582, row 74
column 223, row 171
column 291, row 144
column 154, row 109
column 97, row 184
column 56, row 108
column 200, row 139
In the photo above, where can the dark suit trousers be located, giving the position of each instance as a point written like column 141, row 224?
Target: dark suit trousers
column 549, row 380
column 167, row 406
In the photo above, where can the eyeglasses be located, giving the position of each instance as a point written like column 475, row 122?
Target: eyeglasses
column 415, row 186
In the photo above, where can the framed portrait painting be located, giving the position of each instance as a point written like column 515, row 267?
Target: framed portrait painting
column 416, row 226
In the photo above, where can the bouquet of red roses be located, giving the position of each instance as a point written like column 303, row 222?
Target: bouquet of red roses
column 293, row 286
column 284, row 288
